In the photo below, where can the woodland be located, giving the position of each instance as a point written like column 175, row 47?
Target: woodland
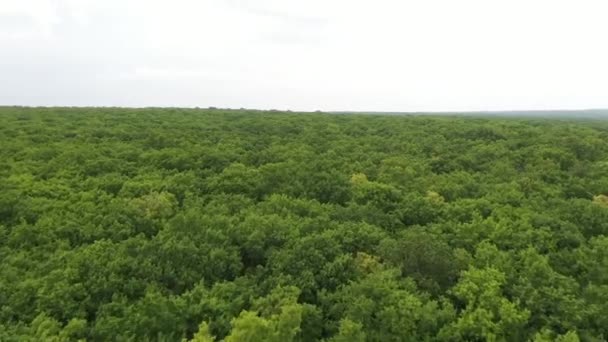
column 174, row 224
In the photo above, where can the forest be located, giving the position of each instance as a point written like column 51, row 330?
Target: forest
column 170, row 224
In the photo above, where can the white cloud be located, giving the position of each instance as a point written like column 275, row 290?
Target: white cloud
column 333, row 55
column 27, row 19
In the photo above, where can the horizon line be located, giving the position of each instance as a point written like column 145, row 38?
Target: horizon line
column 314, row 111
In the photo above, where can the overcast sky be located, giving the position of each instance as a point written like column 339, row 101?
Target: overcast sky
column 422, row 55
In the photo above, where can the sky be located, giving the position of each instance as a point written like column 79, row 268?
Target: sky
column 380, row 55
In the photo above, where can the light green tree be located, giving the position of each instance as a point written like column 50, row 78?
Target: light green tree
column 487, row 314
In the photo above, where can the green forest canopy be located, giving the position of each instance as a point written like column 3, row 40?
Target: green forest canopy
column 210, row 225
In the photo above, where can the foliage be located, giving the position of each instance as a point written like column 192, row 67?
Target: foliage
column 223, row 225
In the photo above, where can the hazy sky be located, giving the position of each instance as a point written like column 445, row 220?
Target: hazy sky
column 306, row 54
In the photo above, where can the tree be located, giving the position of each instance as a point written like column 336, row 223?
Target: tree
column 203, row 335
column 349, row 332
column 422, row 256
column 487, row 314
column 278, row 318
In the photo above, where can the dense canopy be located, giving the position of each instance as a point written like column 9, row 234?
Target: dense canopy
column 234, row 225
